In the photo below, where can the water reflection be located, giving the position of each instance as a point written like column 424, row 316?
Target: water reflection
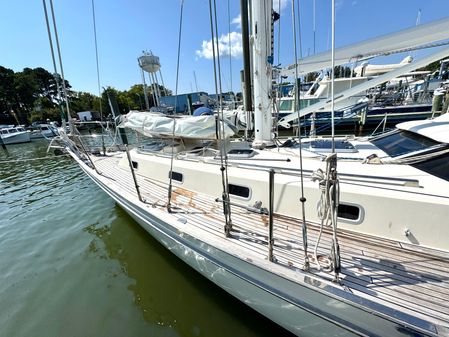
column 75, row 264
column 168, row 292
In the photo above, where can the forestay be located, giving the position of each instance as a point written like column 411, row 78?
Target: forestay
column 159, row 125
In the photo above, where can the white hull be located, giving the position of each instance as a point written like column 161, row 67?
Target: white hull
column 41, row 135
column 307, row 306
column 16, row 138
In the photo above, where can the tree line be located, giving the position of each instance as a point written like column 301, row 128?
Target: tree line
column 31, row 95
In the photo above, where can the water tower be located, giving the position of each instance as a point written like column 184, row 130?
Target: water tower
column 150, row 63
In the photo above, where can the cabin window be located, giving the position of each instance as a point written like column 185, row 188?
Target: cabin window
column 239, row 191
column 286, row 105
column 241, row 153
column 325, row 145
column 176, row 176
column 135, row 164
column 44, row 128
column 403, row 142
column 348, row 212
column 437, row 166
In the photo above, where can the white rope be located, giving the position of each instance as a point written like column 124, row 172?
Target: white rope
column 325, row 211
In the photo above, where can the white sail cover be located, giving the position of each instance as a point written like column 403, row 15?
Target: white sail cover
column 159, row 125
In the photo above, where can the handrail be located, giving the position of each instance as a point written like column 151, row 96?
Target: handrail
column 297, row 172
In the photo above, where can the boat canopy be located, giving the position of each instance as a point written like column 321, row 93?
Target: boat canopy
column 159, row 125
column 436, row 129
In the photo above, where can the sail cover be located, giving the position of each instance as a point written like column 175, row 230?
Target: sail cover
column 159, row 125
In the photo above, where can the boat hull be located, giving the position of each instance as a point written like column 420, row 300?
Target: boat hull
column 16, row 138
column 42, row 135
column 309, row 307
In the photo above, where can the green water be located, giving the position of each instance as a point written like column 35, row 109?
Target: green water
column 73, row 263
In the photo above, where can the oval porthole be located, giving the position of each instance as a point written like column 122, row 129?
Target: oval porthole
column 239, row 191
column 176, row 176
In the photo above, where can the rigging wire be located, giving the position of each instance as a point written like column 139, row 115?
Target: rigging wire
column 220, row 128
column 299, row 28
column 332, row 181
column 55, row 75
column 302, row 199
column 60, row 65
column 279, row 33
column 98, row 75
column 333, row 76
column 96, row 59
column 279, row 95
column 230, row 49
column 170, row 185
column 314, row 28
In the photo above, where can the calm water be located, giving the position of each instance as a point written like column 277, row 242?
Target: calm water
column 73, row 263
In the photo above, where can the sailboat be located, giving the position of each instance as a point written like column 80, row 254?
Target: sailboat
column 374, row 259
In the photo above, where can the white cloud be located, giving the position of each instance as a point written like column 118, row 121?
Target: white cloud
column 338, row 4
column 223, row 46
column 237, row 21
column 283, row 4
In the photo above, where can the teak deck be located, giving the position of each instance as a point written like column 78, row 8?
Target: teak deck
column 413, row 281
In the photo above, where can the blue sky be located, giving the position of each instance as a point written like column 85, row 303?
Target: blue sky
column 127, row 27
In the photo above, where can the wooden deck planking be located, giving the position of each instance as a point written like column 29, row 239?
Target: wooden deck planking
column 377, row 269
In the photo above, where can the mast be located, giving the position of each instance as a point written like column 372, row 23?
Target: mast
column 262, row 72
column 246, row 62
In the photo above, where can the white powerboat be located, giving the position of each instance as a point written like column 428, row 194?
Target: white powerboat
column 43, row 131
column 14, row 135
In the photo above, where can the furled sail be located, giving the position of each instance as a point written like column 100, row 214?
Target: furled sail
column 159, row 125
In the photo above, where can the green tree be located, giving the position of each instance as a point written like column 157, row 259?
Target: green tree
column 432, row 67
column 84, row 101
column 7, row 95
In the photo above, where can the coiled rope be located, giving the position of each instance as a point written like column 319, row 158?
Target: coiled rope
column 329, row 200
